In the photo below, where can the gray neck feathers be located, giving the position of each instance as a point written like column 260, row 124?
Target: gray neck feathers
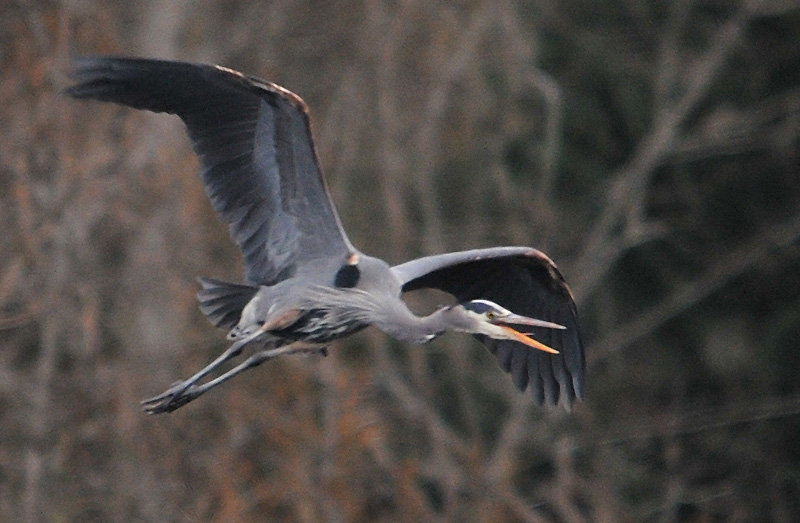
column 389, row 314
column 404, row 325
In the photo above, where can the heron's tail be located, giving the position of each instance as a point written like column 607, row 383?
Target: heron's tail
column 223, row 302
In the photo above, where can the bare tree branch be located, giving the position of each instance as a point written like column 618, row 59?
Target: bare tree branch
column 730, row 266
column 624, row 200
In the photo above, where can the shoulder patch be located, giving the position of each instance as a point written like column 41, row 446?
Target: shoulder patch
column 347, row 276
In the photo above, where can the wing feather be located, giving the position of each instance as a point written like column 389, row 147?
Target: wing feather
column 253, row 139
column 526, row 282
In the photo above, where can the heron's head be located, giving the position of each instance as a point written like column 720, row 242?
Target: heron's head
column 490, row 319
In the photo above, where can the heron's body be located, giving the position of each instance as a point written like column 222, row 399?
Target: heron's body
column 303, row 307
column 306, row 285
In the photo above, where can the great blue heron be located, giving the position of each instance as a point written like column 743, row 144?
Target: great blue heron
column 306, row 285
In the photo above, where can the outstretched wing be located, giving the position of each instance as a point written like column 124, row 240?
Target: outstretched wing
column 526, row 282
column 257, row 156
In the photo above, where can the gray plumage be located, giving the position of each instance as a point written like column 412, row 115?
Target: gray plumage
column 306, row 285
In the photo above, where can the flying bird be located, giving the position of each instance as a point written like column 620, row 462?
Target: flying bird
column 306, row 285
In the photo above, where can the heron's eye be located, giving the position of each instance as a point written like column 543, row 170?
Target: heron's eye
column 491, row 315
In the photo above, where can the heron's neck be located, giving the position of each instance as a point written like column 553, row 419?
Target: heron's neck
column 388, row 313
column 404, row 325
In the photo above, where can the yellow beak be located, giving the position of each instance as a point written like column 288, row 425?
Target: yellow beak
column 527, row 340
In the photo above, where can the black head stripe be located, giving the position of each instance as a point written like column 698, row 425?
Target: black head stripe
column 480, row 306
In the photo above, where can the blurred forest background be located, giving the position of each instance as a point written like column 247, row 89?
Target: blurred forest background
column 651, row 148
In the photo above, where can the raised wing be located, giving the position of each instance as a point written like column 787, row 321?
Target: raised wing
column 526, row 282
column 254, row 142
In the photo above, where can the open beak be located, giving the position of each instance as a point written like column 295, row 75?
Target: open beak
column 515, row 319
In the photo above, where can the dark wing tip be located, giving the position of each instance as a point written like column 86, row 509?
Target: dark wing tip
column 135, row 82
column 552, row 378
column 117, row 79
column 87, row 73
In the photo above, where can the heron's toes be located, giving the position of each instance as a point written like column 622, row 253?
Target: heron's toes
column 173, row 390
column 173, row 398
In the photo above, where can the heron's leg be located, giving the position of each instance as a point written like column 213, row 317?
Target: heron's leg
column 172, row 402
column 180, row 387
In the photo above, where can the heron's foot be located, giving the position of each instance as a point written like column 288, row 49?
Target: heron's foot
column 183, row 392
column 173, row 398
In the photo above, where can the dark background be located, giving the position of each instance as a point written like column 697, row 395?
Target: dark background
column 651, row 148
